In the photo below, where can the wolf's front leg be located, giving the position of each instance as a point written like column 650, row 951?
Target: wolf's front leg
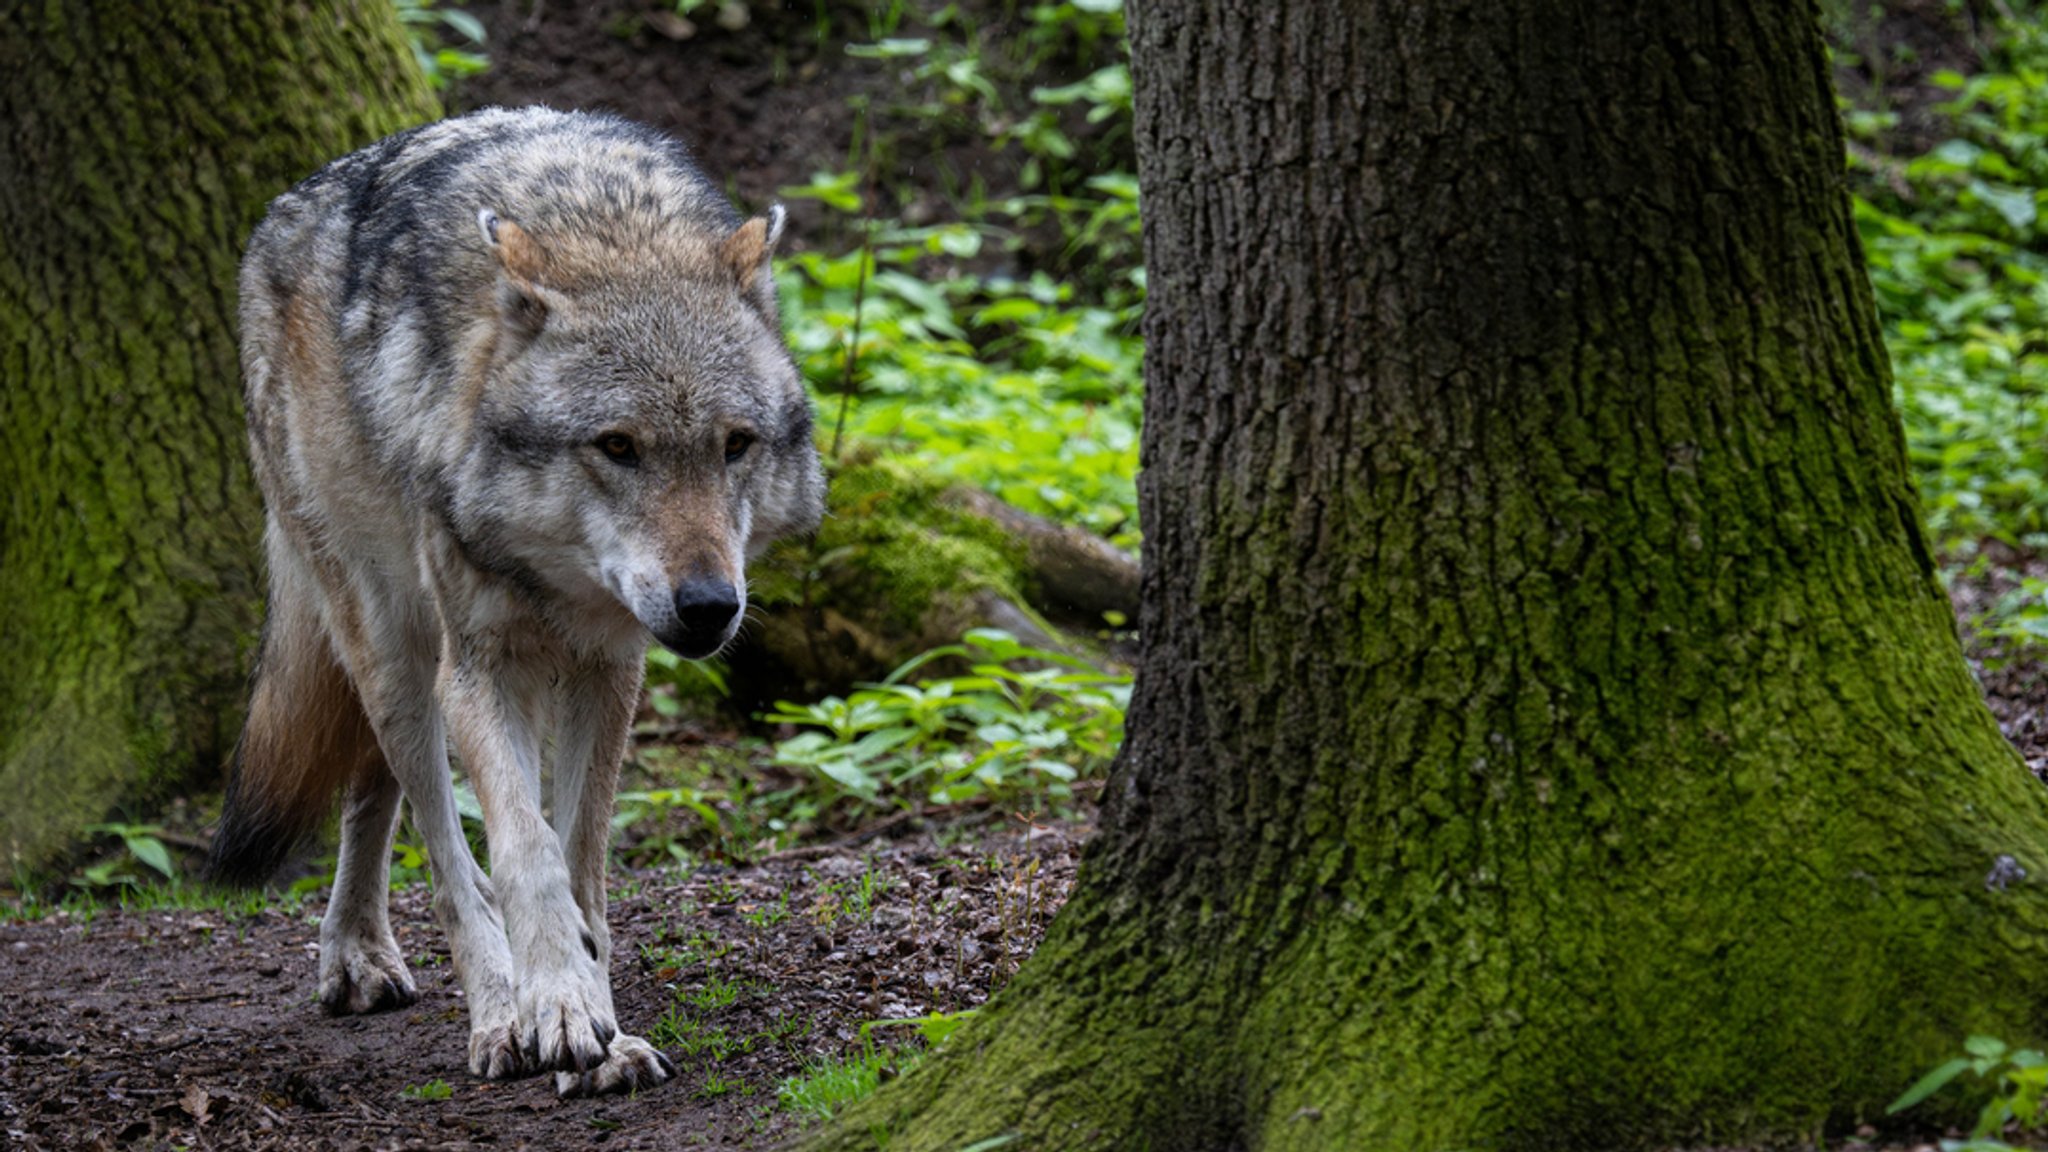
column 596, row 705
column 396, row 677
column 560, row 985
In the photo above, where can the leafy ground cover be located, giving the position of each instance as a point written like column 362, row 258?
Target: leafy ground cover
column 1951, row 176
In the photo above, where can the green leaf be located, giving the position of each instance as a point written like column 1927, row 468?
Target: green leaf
column 468, row 26
column 2016, row 205
column 1928, row 1085
column 1988, row 1047
column 847, row 774
column 467, row 805
column 151, row 851
column 1013, row 309
column 889, row 49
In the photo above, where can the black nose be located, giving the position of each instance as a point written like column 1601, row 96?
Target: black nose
column 705, row 609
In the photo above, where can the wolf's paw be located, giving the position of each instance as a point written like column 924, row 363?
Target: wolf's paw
column 494, row 1052
column 567, row 1024
column 358, row 976
column 631, row 1065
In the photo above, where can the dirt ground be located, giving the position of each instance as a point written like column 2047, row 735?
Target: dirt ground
column 771, row 104
column 191, row 1029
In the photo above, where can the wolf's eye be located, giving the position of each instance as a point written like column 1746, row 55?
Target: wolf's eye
column 619, row 448
column 736, row 445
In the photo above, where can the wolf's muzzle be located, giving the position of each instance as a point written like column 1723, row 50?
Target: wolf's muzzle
column 706, row 611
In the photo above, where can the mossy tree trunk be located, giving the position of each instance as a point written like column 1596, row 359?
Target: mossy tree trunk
column 1549, row 730
column 141, row 143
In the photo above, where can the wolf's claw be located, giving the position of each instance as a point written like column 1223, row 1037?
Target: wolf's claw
column 632, row 1065
column 358, row 976
column 494, row 1054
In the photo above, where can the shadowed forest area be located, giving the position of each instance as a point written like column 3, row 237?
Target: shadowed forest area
column 835, row 843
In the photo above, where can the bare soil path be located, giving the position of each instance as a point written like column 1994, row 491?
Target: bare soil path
column 172, row 1029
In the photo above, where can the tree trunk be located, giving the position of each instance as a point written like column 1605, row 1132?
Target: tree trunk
column 1549, row 730
column 141, row 145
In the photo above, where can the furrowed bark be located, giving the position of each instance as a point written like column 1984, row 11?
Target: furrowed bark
column 141, row 145
column 1549, row 730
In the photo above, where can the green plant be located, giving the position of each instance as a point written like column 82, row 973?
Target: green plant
column 2020, row 1077
column 715, row 1085
column 431, row 1090
column 427, row 26
column 1003, row 730
column 653, row 806
column 1008, row 384
column 933, row 1028
column 716, row 993
column 140, row 843
column 768, row 915
column 850, row 899
column 828, row 1084
column 672, row 682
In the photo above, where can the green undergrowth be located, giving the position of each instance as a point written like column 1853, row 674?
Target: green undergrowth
column 446, row 42
column 1016, row 727
column 991, row 339
column 180, row 893
column 2018, row 1081
column 1021, row 720
column 887, row 1049
column 1015, row 386
column 1958, row 255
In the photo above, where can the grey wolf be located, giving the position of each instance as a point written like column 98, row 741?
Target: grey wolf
column 518, row 399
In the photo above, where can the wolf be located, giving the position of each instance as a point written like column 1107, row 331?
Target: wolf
column 518, row 399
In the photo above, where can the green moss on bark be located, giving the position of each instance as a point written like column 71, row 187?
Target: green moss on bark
column 891, row 539
column 144, row 143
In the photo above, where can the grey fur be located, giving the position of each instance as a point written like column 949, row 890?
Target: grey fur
column 513, row 378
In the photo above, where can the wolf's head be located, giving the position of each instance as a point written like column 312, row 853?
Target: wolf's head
column 641, row 430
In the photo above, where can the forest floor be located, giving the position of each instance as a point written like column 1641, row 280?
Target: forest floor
column 197, row 1028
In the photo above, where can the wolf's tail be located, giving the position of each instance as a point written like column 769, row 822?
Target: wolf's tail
column 306, row 737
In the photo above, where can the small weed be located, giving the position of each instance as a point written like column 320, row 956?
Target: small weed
column 850, row 899
column 768, row 915
column 2021, row 1077
column 140, row 844
column 431, row 1090
column 715, row 993
column 827, row 1086
column 428, row 28
column 716, row 1085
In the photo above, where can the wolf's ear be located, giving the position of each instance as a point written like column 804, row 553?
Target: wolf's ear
column 521, row 300
column 746, row 255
